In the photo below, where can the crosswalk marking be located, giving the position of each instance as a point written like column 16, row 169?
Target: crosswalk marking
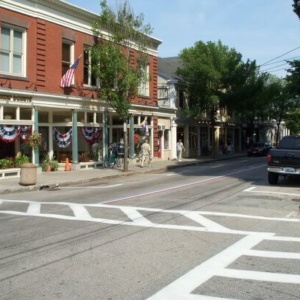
column 217, row 266
column 183, row 287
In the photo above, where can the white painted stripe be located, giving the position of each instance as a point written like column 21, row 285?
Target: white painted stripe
column 273, row 254
column 292, row 214
column 90, row 187
column 259, row 276
column 250, row 189
column 284, row 239
column 64, row 217
column 131, row 223
column 213, row 266
column 179, row 186
column 203, row 221
column 183, row 212
column 217, row 166
column 136, row 217
column 34, row 208
column 277, row 193
column 80, row 211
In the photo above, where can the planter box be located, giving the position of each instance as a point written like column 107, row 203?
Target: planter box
column 10, row 173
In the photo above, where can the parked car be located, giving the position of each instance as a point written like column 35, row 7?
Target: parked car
column 259, row 149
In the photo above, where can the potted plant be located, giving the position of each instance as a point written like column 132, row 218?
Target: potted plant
column 54, row 165
column 20, row 159
column 6, row 163
column 85, row 157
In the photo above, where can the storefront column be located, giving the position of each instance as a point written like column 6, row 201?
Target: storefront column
column 36, row 151
column 131, row 136
column 105, row 135
column 186, row 141
column 75, row 163
column 173, row 138
column 216, row 137
column 198, row 140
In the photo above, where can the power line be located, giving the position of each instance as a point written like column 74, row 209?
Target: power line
column 279, row 56
column 274, row 67
column 276, row 62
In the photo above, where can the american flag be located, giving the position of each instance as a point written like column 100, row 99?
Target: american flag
column 66, row 80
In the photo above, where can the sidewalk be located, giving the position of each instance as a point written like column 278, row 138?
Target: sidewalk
column 47, row 180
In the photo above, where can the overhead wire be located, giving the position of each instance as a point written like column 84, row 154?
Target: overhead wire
column 278, row 56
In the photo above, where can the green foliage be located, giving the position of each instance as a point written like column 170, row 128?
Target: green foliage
column 14, row 162
column 20, row 159
column 292, row 121
column 47, row 161
column 207, row 71
column 119, row 69
column 6, row 163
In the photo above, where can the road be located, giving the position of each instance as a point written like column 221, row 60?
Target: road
column 211, row 231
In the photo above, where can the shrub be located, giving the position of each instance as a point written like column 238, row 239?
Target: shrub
column 20, row 159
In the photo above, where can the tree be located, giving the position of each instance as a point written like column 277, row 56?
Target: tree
column 207, row 71
column 280, row 102
column 119, row 59
column 292, row 121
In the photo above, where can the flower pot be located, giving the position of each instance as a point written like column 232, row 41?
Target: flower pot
column 48, row 168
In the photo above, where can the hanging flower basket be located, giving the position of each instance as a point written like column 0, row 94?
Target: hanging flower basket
column 34, row 140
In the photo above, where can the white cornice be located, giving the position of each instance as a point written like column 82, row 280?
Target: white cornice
column 60, row 13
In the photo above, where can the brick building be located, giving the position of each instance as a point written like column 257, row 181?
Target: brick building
column 39, row 42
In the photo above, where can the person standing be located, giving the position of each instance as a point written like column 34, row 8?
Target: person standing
column 146, row 152
column 179, row 148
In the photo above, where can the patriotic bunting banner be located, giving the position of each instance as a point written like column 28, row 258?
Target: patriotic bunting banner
column 8, row 134
column 90, row 134
column 24, row 133
column 62, row 140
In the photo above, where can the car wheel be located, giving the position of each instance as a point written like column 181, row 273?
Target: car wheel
column 273, row 178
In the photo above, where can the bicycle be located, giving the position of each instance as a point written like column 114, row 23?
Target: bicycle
column 113, row 160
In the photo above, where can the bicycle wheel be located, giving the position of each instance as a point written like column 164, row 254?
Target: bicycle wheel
column 109, row 162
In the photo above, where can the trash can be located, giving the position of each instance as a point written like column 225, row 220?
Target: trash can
column 28, row 174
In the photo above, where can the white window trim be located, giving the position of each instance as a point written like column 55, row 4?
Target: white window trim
column 24, row 53
column 89, row 83
column 144, row 87
column 72, row 55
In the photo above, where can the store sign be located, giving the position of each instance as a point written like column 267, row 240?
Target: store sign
column 16, row 98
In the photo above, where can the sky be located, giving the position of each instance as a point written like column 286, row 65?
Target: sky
column 267, row 31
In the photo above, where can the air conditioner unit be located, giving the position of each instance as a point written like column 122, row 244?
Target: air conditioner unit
column 161, row 127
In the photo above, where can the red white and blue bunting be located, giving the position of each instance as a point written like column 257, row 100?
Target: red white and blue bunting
column 62, row 140
column 24, row 133
column 9, row 134
column 90, row 134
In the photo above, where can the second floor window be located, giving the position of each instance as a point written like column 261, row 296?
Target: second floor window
column 12, row 47
column 144, row 86
column 67, row 54
column 88, row 77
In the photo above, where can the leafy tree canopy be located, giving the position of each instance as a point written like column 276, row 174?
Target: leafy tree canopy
column 119, row 69
column 208, row 70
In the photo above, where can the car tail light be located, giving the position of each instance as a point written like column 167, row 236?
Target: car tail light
column 269, row 158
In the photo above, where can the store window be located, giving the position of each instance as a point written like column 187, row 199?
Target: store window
column 12, row 45
column 25, row 113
